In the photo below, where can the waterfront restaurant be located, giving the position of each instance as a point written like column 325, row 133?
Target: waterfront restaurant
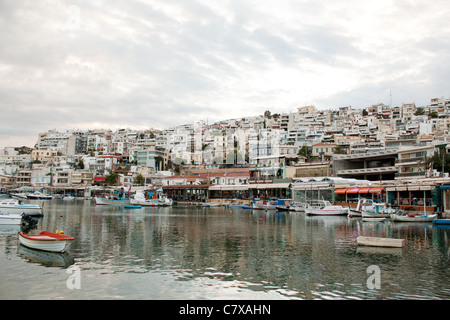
column 305, row 190
column 417, row 195
column 190, row 192
column 250, row 191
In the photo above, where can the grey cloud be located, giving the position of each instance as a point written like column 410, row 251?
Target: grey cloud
column 132, row 62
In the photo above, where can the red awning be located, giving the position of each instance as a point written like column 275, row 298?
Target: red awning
column 99, row 179
column 376, row 190
column 353, row 190
column 340, row 191
column 364, row 190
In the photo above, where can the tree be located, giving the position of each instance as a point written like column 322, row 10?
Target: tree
column 159, row 162
column 339, row 150
column 305, row 151
column 436, row 161
column 419, row 111
column 139, row 180
column 111, row 178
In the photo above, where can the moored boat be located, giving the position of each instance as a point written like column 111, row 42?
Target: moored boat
column 113, row 202
column 10, row 219
column 131, row 206
column 154, row 200
column 326, row 209
column 19, row 195
column 46, row 241
column 37, row 195
column 14, row 206
column 212, row 204
column 265, row 205
column 442, row 221
column 298, row 207
column 402, row 217
column 380, row 242
column 371, row 209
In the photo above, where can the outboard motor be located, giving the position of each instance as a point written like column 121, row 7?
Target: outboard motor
column 28, row 222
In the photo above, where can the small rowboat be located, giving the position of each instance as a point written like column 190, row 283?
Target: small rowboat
column 45, row 241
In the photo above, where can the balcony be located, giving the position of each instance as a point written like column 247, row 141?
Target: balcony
column 400, row 175
column 391, row 169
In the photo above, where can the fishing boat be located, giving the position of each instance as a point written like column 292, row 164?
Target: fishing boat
column 10, row 219
column 19, row 195
column 37, row 195
column 371, row 209
column 153, row 200
column 298, row 207
column 402, row 217
column 326, row 209
column 265, row 205
column 45, row 241
column 244, row 206
column 113, row 202
column 14, row 206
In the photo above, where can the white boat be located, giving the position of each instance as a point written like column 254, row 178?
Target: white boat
column 140, row 199
column 45, row 241
column 374, row 219
column 265, row 205
column 19, row 195
column 10, row 219
column 298, row 207
column 14, row 206
column 371, row 209
column 402, row 217
column 37, row 195
column 326, row 209
column 112, row 202
column 212, row 204
column 380, row 242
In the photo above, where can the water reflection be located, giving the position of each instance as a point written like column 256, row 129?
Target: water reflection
column 280, row 254
column 47, row 259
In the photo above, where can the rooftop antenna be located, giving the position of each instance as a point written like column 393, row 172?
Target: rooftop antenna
column 390, row 99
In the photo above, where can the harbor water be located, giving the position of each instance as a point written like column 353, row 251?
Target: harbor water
column 189, row 252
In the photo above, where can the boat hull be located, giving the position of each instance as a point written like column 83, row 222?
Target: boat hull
column 10, row 219
column 442, row 221
column 111, row 202
column 400, row 218
column 151, row 203
column 330, row 211
column 45, row 241
column 257, row 206
column 380, row 242
column 30, row 210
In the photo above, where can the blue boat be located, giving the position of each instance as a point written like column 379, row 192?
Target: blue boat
column 132, row 207
column 441, row 221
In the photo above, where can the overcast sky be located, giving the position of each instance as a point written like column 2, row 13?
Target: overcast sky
column 155, row 64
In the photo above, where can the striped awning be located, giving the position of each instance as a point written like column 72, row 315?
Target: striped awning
column 376, row 190
column 340, row 191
